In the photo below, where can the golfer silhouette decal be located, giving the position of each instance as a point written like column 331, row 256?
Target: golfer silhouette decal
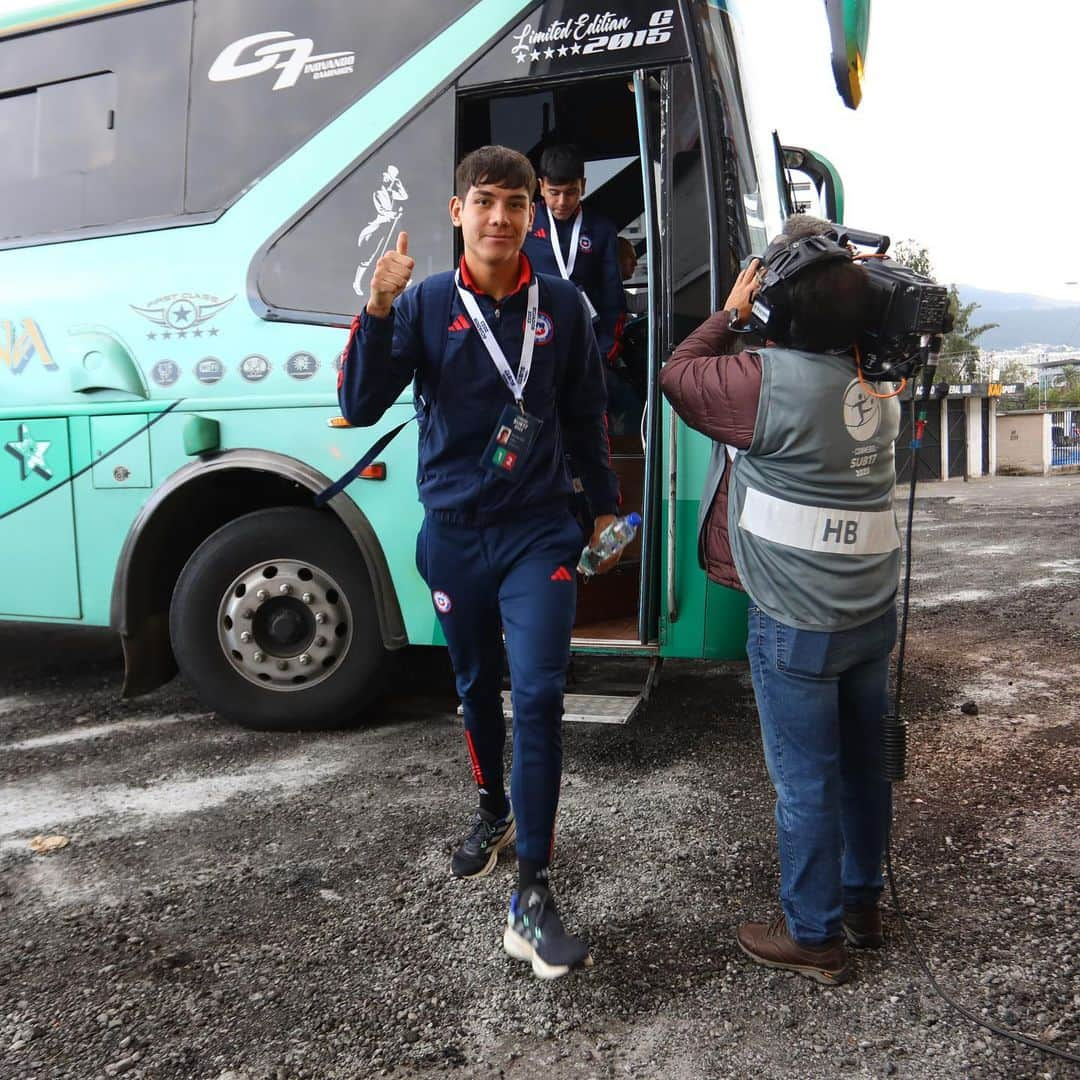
column 375, row 237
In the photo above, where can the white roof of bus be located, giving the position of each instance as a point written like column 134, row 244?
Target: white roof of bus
column 18, row 16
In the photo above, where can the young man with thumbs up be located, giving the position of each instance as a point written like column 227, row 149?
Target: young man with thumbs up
column 507, row 380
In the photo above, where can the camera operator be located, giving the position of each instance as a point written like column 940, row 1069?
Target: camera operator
column 802, row 520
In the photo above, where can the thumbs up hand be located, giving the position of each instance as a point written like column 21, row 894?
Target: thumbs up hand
column 392, row 274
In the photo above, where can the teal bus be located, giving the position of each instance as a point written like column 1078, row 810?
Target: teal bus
column 193, row 194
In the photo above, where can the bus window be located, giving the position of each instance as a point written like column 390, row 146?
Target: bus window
column 320, row 263
column 79, row 105
column 268, row 74
column 688, row 209
column 753, row 218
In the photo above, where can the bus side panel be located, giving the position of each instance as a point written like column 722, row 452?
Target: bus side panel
column 107, row 497
column 725, row 623
column 37, row 530
column 711, row 619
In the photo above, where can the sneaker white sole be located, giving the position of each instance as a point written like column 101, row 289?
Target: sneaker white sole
column 517, row 947
column 493, row 855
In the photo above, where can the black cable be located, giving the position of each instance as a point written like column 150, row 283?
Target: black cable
column 907, row 566
column 86, row 468
column 1005, row 1033
column 895, row 745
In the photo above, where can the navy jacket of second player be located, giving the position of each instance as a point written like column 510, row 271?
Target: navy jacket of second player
column 596, row 269
column 429, row 339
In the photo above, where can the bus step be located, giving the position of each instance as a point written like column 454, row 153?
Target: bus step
column 598, row 708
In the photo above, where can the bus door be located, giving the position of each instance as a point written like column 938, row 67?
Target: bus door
column 637, row 129
column 678, row 209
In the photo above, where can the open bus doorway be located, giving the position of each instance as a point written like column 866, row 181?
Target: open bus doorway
column 667, row 294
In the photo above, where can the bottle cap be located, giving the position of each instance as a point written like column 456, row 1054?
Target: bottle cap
column 634, row 519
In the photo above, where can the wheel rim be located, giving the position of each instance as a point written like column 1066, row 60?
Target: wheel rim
column 284, row 625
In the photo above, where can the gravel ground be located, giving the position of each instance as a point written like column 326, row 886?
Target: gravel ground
column 239, row 906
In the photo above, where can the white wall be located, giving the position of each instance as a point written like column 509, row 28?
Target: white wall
column 1023, row 442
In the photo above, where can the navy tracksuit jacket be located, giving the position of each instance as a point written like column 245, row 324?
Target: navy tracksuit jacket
column 496, row 553
column 596, row 269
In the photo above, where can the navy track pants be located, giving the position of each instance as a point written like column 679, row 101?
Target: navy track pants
column 519, row 577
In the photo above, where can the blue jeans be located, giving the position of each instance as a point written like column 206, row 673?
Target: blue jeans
column 821, row 698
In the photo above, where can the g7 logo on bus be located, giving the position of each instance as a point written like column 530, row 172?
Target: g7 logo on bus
column 16, row 352
column 293, row 56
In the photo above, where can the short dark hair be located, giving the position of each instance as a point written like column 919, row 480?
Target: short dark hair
column 562, row 164
column 497, row 165
column 830, row 306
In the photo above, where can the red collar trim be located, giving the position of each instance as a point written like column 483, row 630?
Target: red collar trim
column 524, row 275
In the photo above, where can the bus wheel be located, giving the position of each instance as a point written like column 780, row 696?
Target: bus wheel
column 273, row 622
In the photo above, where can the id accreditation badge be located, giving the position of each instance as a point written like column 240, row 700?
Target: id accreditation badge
column 511, row 442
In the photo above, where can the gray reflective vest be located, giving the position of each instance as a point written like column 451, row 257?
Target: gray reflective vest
column 810, row 505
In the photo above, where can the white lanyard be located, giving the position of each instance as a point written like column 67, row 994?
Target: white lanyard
column 565, row 268
column 515, row 382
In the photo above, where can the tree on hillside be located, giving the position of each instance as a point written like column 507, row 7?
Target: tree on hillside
column 908, row 254
column 960, row 350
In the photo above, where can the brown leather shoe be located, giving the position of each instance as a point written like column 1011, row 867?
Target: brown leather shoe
column 772, row 945
column 862, row 927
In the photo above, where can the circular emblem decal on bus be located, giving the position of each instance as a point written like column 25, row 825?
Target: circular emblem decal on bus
column 180, row 314
column 209, row 370
column 254, row 368
column 301, row 365
column 165, row 372
column 442, row 602
column 862, row 412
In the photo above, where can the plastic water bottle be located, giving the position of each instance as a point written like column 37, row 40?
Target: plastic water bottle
column 613, row 539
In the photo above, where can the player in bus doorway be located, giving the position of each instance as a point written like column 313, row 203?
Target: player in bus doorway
column 508, row 380
column 577, row 243
column 799, row 515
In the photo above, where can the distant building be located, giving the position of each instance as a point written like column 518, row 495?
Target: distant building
column 1033, row 364
column 1050, row 371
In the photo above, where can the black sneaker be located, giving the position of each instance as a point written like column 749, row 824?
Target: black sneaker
column 479, row 851
column 535, row 932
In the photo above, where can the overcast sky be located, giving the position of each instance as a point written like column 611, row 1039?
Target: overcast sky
column 966, row 136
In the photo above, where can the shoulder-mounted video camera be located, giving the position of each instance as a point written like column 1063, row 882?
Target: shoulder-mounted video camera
column 904, row 305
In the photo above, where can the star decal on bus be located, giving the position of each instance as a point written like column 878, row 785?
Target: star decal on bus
column 31, row 453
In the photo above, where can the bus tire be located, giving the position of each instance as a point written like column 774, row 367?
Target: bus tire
column 273, row 622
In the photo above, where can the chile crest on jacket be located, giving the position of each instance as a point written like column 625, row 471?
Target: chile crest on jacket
column 545, row 328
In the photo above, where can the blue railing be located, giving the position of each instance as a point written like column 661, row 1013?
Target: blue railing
column 1061, row 456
